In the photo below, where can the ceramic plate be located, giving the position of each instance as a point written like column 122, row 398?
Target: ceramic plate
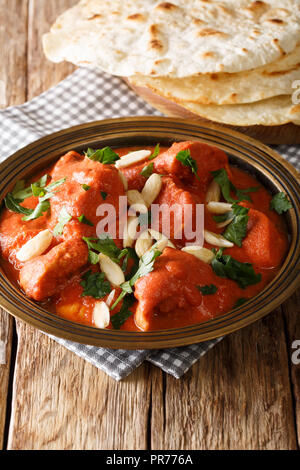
column 265, row 164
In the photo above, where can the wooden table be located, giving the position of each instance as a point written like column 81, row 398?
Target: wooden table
column 244, row 394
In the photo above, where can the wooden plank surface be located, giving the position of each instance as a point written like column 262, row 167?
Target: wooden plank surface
column 238, row 396
column 243, row 394
column 291, row 309
column 13, row 78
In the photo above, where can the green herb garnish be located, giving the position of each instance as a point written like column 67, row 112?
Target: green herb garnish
column 207, row 290
column 93, row 257
column 146, row 265
column 95, row 285
column 221, row 177
column 120, row 317
column 155, row 152
column 147, row 170
column 82, row 218
column 104, row 245
column 106, row 155
column 86, row 187
column 63, row 218
column 240, row 302
column 228, row 267
column 42, row 206
column 104, row 195
column 20, row 193
column 280, row 203
column 184, row 156
column 13, row 205
column 237, row 229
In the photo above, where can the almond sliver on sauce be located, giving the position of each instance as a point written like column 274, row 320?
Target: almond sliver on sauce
column 112, row 270
column 101, row 315
column 35, row 247
column 131, row 158
column 217, row 240
column 201, row 253
column 151, row 189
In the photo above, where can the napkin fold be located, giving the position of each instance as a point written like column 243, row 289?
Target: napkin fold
column 88, row 95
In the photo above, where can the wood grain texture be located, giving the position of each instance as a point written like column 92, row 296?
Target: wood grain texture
column 13, row 78
column 43, row 74
column 237, row 396
column 5, row 353
column 291, row 309
column 62, row 402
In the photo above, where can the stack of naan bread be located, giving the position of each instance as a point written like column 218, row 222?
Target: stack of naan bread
column 231, row 61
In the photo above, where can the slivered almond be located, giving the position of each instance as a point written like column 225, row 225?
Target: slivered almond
column 131, row 158
column 136, row 201
column 36, row 246
column 226, row 222
column 201, row 253
column 151, row 189
column 160, row 236
column 143, row 243
column 160, row 245
column 213, row 192
column 101, row 315
column 130, row 232
column 124, row 180
column 112, row 270
column 219, row 207
column 110, row 298
column 216, row 239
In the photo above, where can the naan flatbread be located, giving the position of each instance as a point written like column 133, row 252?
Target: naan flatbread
column 174, row 39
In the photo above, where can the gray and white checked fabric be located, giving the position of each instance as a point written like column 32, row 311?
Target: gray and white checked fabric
column 89, row 95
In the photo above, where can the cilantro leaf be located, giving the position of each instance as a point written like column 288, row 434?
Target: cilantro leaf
column 19, row 193
column 228, row 267
column 154, row 153
column 146, row 265
column 95, row 285
column 106, row 155
column 237, row 229
column 13, row 205
column 240, row 302
column 93, row 257
column 104, row 195
column 242, row 193
column 120, row 317
column 223, row 217
column 63, row 218
column 147, row 170
column 207, row 290
column 86, row 187
column 184, row 156
column 105, row 245
column 82, row 218
column 280, row 203
column 127, row 253
column 42, row 206
column 221, row 177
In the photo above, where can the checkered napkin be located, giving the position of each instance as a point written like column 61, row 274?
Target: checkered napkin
column 89, row 95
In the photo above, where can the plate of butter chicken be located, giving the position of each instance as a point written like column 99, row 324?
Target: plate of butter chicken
column 147, row 232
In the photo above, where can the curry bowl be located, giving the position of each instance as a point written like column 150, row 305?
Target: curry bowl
column 269, row 168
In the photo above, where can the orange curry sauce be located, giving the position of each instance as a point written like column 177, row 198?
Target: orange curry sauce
column 167, row 297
